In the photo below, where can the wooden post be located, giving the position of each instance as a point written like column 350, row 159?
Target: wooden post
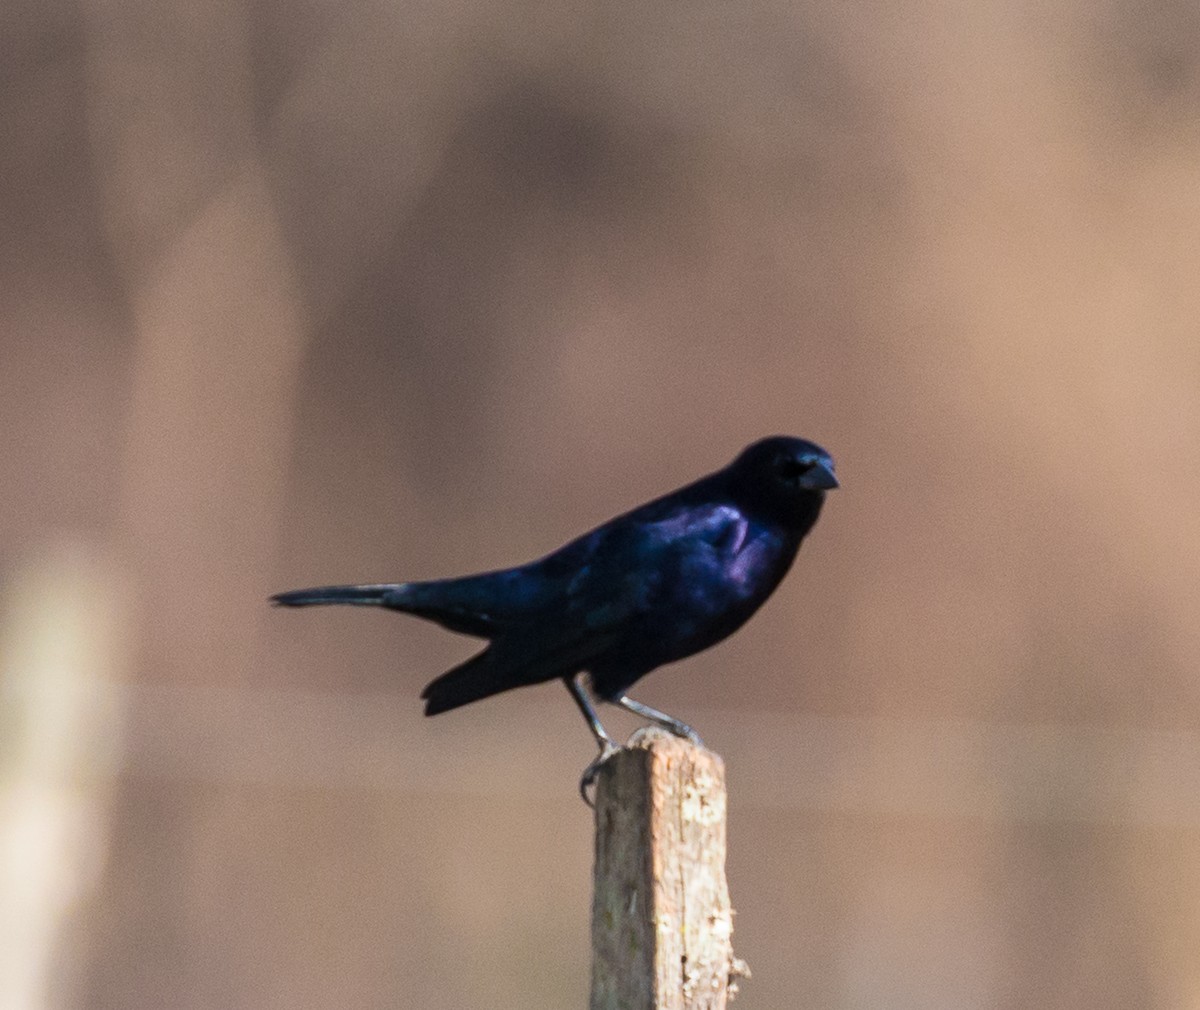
column 661, row 920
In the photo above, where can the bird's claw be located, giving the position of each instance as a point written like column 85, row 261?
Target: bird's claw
column 591, row 772
column 682, row 730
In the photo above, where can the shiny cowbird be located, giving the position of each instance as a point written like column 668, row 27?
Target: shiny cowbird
column 654, row 585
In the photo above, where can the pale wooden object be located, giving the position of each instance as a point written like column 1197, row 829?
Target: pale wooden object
column 661, row 919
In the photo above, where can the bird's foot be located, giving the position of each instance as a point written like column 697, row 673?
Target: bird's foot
column 591, row 772
column 667, row 722
column 682, row 729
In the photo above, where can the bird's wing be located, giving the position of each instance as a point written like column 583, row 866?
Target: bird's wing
column 599, row 579
column 580, row 603
column 483, row 605
column 622, row 571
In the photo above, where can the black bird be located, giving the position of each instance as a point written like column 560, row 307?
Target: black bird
column 654, row 585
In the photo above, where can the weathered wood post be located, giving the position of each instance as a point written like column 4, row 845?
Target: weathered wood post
column 661, row 919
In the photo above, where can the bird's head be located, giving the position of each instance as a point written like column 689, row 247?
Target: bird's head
column 784, row 479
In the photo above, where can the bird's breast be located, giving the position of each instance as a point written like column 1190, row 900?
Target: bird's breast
column 714, row 592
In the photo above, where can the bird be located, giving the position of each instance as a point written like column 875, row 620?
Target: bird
column 654, row 585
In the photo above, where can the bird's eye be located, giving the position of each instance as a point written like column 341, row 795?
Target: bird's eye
column 791, row 469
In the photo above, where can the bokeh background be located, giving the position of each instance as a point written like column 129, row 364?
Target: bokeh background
column 294, row 293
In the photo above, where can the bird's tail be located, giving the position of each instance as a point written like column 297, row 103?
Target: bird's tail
column 471, row 605
column 360, row 596
column 479, row 677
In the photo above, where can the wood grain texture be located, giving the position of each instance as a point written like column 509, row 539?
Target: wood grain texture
column 661, row 919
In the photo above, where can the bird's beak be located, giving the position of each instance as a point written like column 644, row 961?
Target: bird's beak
column 819, row 478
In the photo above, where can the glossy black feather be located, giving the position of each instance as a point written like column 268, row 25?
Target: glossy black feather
column 654, row 585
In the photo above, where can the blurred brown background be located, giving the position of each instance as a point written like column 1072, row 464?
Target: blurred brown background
column 309, row 292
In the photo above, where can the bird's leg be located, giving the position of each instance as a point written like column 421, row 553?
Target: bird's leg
column 607, row 747
column 579, row 693
column 654, row 715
